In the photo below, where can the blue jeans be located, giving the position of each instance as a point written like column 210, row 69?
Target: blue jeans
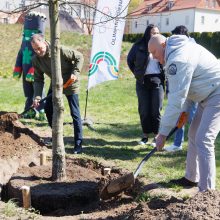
column 73, row 102
column 179, row 136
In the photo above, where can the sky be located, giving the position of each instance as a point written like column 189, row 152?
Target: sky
column 12, row 4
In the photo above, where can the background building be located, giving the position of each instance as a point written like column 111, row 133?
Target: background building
column 196, row 15
column 73, row 17
column 8, row 6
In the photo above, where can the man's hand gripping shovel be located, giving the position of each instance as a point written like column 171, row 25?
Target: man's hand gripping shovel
column 69, row 82
column 116, row 186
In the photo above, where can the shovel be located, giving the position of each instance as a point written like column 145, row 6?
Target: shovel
column 13, row 116
column 67, row 84
column 116, row 186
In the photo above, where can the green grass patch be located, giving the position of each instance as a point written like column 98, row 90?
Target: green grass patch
column 147, row 197
column 11, row 210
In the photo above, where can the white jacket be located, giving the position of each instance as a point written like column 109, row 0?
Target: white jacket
column 193, row 74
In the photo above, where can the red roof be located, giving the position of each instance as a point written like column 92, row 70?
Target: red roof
column 162, row 6
column 143, row 8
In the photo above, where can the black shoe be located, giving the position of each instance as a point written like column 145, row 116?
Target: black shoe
column 48, row 142
column 183, row 182
column 143, row 141
column 77, row 150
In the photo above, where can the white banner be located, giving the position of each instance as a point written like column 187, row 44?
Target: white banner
column 107, row 40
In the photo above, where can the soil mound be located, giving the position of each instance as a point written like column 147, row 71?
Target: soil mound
column 15, row 139
column 203, row 206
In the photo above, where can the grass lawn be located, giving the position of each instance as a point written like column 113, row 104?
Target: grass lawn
column 112, row 106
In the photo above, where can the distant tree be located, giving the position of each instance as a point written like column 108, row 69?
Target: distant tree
column 134, row 4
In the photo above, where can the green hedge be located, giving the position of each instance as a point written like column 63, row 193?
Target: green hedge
column 209, row 40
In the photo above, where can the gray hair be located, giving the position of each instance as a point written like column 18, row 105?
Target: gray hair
column 37, row 38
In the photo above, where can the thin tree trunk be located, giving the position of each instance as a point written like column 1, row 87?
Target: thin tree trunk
column 59, row 163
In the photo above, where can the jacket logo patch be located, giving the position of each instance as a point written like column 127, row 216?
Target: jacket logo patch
column 172, row 69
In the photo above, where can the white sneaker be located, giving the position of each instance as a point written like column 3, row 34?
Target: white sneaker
column 153, row 143
column 173, row 148
column 143, row 141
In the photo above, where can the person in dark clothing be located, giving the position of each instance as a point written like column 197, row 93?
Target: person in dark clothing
column 71, row 65
column 149, row 84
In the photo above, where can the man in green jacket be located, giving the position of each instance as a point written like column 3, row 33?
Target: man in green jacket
column 71, row 65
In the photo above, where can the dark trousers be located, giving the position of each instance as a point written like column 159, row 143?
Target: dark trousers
column 150, row 102
column 28, row 88
column 73, row 102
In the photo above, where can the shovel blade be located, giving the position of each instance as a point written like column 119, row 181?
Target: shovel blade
column 121, row 183
column 117, row 186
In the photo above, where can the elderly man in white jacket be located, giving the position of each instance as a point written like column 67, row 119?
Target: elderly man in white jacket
column 193, row 75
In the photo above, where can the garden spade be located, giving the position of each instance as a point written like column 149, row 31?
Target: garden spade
column 116, row 186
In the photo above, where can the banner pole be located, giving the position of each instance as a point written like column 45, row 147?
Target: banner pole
column 87, row 94
column 86, row 121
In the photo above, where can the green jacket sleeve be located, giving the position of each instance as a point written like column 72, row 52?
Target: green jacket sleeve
column 76, row 58
column 38, row 78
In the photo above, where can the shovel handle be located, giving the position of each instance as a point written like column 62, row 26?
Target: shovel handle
column 137, row 171
column 181, row 121
column 67, row 84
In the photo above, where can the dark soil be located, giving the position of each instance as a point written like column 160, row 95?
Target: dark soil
column 16, row 140
column 202, row 206
column 78, row 196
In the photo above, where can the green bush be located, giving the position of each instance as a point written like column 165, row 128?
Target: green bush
column 166, row 34
column 215, row 44
column 132, row 37
column 209, row 40
column 205, row 40
column 196, row 36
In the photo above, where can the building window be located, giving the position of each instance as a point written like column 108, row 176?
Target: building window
column 135, row 24
column 78, row 10
column 170, row 4
column 187, row 19
column 213, row 4
column 148, row 22
column 167, row 21
column 87, row 13
column 5, row 20
column 207, row 3
column 149, row 7
column 202, row 19
column 7, row 5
